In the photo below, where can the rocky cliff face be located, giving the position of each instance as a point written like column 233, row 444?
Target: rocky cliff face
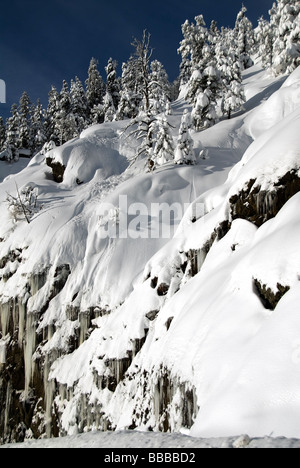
column 36, row 403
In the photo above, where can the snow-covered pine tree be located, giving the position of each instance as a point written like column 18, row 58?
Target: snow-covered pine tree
column 144, row 129
column 112, row 96
column 185, row 72
column 203, row 87
column 187, row 119
column 159, row 87
column 195, row 36
column 245, row 37
column 229, row 65
column 95, row 86
column 174, row 89
column 164, row 146
column 12, row 135
column 65, row 98
column 130, row 97
column 234, row 97
column 97, row 114
column 146, row 132
column 194, row 85
column 24, row 141
column 214, row 36
column 2, row 134
column 143, row 54
column 37, row 127
column 65, row 124
column 184, row 152
column 213, row 32
column 264, row 38
column 204, row 97
column 285, row 21
column 79, row 105
column 51, row 116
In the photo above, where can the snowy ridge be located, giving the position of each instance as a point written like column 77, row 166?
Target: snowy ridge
column 195, row 331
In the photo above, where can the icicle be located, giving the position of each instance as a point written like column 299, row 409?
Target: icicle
column 84, row 320
column 37, row 281
column 4, row 318
column 7, row 406
column 49, row 389
column 3, row 345
column 30, row 345
column 22, row 318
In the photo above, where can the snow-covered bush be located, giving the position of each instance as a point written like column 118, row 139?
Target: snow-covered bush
column 24, row 205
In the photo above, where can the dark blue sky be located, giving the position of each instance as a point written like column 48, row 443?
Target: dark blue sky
column 44, row 42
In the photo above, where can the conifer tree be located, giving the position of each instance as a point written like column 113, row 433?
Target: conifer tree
column 79, row 105
column 264, row 36
column 38, row 127
column 65, row 124
column 185, row 72
column 164, row 146
column 285, row 21
column 233, row 98
column 95, row 86
column 184, row 152
column 112, row 95
column 2, row 134
column 24, row 133
column 159, row 87
column 174, row 89
column 204, row 85
column 245, row 37
column 144, row 129
column 130, row 96
column 51, row 116
column 204, row 89
column 97, row 114
column 143, row 54
column 12, row 134
column 229, row 65
column 195, row 36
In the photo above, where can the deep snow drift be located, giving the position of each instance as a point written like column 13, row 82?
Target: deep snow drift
column 194, row 329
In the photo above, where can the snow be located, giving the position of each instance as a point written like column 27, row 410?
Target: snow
column 279, row 105
column 148, row 440
column 7, row 168
column 89, row 157
column 209, row 332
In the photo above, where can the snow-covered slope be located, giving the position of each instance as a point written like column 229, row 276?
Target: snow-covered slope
column 196, row 328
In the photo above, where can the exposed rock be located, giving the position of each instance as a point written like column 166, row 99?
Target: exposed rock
column 23, row 376
column 163, row 289
column 12, row 256
column 152, row 315
column 268, row 297
column 166, row 401
column 170, row 403
column 258, row 206
column 222, row 229
column 168, row 322
column 196, row 258
column 154, row 282
column 58, row 170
